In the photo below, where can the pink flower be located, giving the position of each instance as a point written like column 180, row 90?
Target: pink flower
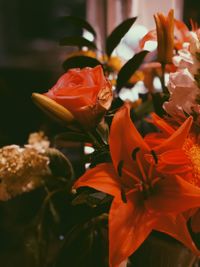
column 183, row 93
column 187, row 57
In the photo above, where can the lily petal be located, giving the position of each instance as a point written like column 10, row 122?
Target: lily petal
column 161, row 124
column 102, row 178
column 176, row 226
column 124, row 137
column 174, row 162
column 177, row 139
column 173, row 195
column 154, row 139
column 129, row 226
column 150, row 36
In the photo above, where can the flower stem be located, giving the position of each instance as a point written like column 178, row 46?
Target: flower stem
column 94, row 140
column 162, row 79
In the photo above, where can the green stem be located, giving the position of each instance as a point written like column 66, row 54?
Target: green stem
column 162, row 79
column 94, row 140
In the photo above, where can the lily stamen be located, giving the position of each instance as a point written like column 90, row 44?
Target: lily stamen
column 119, row 170
column 155, row 181
column 144, row 177
column 135, row 158
column 153, row 153
column 150, row 172
column 123, row 195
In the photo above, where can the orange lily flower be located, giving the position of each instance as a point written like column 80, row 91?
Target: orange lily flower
column 146, row 198
column 180, row 35
column 190, row 157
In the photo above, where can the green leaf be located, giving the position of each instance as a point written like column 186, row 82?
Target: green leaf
column 73, row 137
column 158, row 101
column 80, row 62
column 117, row 34
column 77, row 41
column 129, row 68
column 79, row 22
column 92, row 199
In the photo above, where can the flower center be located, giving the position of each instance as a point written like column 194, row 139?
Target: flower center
column 147, row 178
column 192, row 151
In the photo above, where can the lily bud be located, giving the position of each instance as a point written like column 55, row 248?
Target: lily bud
column 165, row 36
column 52, row 108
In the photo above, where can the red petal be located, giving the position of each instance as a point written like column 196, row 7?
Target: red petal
column 177, row 139
column 174, row 157
column 102, row 178
column 173, row 194
column 173, row 162
column 162, row 125
column 129, row 226
column 176, row 226
column 124, row 137
column 181, row 33
column 154, row 139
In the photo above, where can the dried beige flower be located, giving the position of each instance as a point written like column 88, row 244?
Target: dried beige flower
column 39, row 141
column 21, row 170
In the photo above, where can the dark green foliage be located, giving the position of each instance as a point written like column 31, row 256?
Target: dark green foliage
column 129, row 68
column 117, row 34
column 77, row 41
column 80, row 62
column 79, row 22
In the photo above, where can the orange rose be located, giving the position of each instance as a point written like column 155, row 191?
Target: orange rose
column 85, row 93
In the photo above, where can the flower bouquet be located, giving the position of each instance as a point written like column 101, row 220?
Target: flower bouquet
column 153, row 180
column 138, row 202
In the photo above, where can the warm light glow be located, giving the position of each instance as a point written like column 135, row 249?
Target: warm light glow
column 88, row 150
column 150, row 45
column 87, row 35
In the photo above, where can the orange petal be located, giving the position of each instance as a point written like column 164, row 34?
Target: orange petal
column 169, row 36
column 159, row 20
column 174, row 157
column 176, row 226
column 181, row 33
column 102, row 178
column 173, row 194
column 129, row 226
column 154, row 139
column 173, row 162
column 150, row 36
column 162, row 125
column 124, row 137
column 177, row 139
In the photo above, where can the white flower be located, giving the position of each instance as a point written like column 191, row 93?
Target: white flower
column 187, row 57
column 183, row 85
column 183, row 93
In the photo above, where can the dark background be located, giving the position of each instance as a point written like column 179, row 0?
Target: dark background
column 30, row 60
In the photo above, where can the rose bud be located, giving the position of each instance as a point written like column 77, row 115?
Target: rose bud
column 86, row 93
column 165, row 36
